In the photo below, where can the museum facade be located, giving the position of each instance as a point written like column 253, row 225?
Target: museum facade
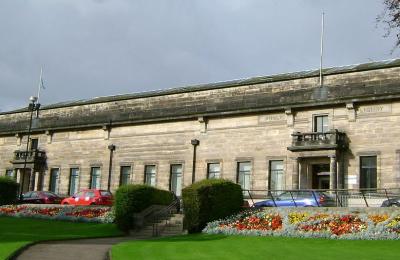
column 284, row 131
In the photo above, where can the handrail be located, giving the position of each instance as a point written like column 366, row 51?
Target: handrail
column 164, row 214
column 337, row 197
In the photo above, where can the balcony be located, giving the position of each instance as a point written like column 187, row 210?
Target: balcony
column 331, row 140
column 33, row 157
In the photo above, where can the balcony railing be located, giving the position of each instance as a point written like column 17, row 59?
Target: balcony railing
column 331, row 140
column 32, row 156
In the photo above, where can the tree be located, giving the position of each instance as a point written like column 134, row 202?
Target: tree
column 391, row 17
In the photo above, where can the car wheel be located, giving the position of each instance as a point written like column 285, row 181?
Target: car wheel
column 92, row 204
column 394, row 205
column 65, row 203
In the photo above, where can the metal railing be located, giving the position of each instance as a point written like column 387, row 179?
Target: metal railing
column 332, row 138
column 321, row 198
column 161, row 218
column 31, row 155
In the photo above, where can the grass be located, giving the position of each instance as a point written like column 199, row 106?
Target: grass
column 240, row 247
column 17, row 232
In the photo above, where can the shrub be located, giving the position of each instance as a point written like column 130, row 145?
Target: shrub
column 209, row 200
column 8, row 190
column 130, row 199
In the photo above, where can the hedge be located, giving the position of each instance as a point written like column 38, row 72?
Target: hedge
column 134, row 198
column 8, row 190
column 209, row 200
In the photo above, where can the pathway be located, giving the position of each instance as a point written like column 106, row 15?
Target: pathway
column 82, row 249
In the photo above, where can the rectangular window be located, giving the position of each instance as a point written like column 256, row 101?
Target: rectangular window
column 243, row 174
column 95, row 173
column 368, row 174
column 54, row 179
column 34, row 144
column 321, row 124
column 10, row 173
column 276, row 175
column 150, row 175
column 213, row 170
column 125, row 175
column 73, row 181
column 176, row 179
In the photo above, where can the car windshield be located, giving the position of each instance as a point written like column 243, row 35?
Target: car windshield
column 285, row 196
column 105, row 193
column 27, row 195
column 78, row 195
column 49, row 194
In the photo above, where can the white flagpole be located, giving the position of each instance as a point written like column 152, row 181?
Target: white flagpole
column 322, row 49
column 40, row 84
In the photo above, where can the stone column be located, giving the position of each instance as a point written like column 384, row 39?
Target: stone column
column 36, row 182
column 32, row 179
column 296, row 173
column 333, row 173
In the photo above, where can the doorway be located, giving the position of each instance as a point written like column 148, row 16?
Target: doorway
column 320, row 176
column 25, row 179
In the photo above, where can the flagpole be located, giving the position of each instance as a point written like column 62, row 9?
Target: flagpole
column 40, row 84
column 322, row 49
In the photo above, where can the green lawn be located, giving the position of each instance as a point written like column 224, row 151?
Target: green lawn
column 17, row 232
column 241, row 247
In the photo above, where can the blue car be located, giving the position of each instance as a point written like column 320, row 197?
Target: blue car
column 298, row 199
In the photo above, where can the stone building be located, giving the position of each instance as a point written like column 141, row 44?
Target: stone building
column 276, row 132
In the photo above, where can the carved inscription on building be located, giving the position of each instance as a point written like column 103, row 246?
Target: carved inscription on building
column 376, row 109
column 272, row 118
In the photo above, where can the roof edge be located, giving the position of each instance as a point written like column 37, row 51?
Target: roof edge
column 225, row 84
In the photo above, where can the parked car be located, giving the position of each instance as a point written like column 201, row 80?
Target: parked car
column 90, row 197
column 298, row 199
column 41, row 197
column 393, row 202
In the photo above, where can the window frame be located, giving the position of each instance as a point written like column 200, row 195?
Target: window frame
column 315, row 125
column 270, row 172
column 91, row 176
column 146, row 166
column 13, row 175
column 121, row 174
column 238, row 162
column 32, row 142
column 219, row 172
column 57, row 183
column 70, row 180
column 361, row 177
column 171, row 174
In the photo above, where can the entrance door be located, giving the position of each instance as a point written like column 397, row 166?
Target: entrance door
column 25, row 179
column 320, row 176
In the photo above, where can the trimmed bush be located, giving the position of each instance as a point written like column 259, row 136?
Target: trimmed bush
column 209, row 200
column 130, row 199
column 8, row 191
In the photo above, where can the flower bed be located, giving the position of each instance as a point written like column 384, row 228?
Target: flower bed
column 311, row 223
column 58, row 212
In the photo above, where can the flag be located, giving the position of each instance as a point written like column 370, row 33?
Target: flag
column 41, row 84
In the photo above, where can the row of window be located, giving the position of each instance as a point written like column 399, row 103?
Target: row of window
column 276, row 181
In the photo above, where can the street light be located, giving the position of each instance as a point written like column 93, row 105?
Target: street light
column 195, row 143
column 111, row 147
column 32, row 107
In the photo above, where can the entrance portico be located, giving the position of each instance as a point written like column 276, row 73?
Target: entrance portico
column 315, row 158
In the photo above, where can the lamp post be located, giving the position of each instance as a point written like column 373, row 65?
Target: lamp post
column 111, row 147
column 195, row 143
column 31, row 108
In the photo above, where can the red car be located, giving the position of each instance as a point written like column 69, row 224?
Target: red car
column 89, row 197
column 40, row 197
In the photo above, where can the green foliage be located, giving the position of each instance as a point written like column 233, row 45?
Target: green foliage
column 130, row 199
column 209, row 200
column 8, row 191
